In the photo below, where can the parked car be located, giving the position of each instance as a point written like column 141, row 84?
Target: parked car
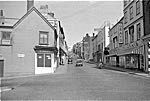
column 70, row 61
column 79, row 62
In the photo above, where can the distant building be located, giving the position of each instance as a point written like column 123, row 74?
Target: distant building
column 100, row 42
column 86, row 47
column 116, row 34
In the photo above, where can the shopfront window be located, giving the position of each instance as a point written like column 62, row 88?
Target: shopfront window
column 43, row 60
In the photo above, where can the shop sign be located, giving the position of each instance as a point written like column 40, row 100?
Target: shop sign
column 21, row 55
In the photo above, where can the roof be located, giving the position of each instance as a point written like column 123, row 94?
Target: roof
column 9, row 22
column 28, row 12
column 117, row 23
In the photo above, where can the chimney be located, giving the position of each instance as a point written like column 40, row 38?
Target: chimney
column 93, row 34
column 30, row 4
column 2, row 20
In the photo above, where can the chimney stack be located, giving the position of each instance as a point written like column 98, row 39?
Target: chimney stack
column 93, row 34
column 2, row 20
column 30, row 4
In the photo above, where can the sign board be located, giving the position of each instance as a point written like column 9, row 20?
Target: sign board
column 21, row 55
column 6, row 42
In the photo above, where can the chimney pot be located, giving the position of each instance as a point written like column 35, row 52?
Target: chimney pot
column 30, row 4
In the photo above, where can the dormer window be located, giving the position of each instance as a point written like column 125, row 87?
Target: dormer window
column 5, row 38
column 43, row 38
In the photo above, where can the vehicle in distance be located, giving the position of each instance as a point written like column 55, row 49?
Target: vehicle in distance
column 79, row 62
column 70, row 61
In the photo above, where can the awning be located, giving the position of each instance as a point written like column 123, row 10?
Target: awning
column 112, row 55
column 45, row 48
column 125, row 54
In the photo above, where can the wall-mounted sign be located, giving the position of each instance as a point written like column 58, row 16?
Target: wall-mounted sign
column 21, row 55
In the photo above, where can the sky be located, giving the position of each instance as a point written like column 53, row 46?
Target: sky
column 77, row 17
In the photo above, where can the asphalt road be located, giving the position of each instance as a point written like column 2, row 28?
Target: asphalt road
column 81, row 83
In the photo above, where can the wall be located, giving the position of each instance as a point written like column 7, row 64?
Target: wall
column 25, row 38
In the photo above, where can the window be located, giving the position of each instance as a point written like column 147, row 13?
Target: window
column 138, row 31
column 125, row 17
column 43, row 60
column 5, row 38
column 131, row 32
column 131, row 13
column 126, row 37
column 99, row 47
column 137, row 7
column 43, row 38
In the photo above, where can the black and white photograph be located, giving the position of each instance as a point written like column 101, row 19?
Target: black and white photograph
column 75, row 50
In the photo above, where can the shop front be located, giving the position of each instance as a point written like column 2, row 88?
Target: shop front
column 133, row 57
column 45, row 59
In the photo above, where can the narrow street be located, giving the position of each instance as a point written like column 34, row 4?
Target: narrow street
column 81, row 83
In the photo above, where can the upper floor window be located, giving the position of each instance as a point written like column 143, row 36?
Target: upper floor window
column 138, row 26
column 131, row 32
column 137, row 7
column 125, row 17
column 126, row 37
column 43, row 38
column 131, row 12
column 99, row 47
column 5, row 38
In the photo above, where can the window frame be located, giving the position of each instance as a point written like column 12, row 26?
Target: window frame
column 2, row 39
column 138, row 27
column 131, row 12
column 131, row 32
column 126, row 37
column 138, row 7
column 47, row 39
column 125, row 17
column 44, row 60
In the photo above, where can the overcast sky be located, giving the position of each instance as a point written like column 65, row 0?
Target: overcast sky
column 77, row 17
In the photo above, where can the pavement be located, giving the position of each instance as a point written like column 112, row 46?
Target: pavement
column 60, row 70
column 127, row 70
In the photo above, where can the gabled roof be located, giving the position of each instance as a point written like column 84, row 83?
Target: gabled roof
column 28, row 12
